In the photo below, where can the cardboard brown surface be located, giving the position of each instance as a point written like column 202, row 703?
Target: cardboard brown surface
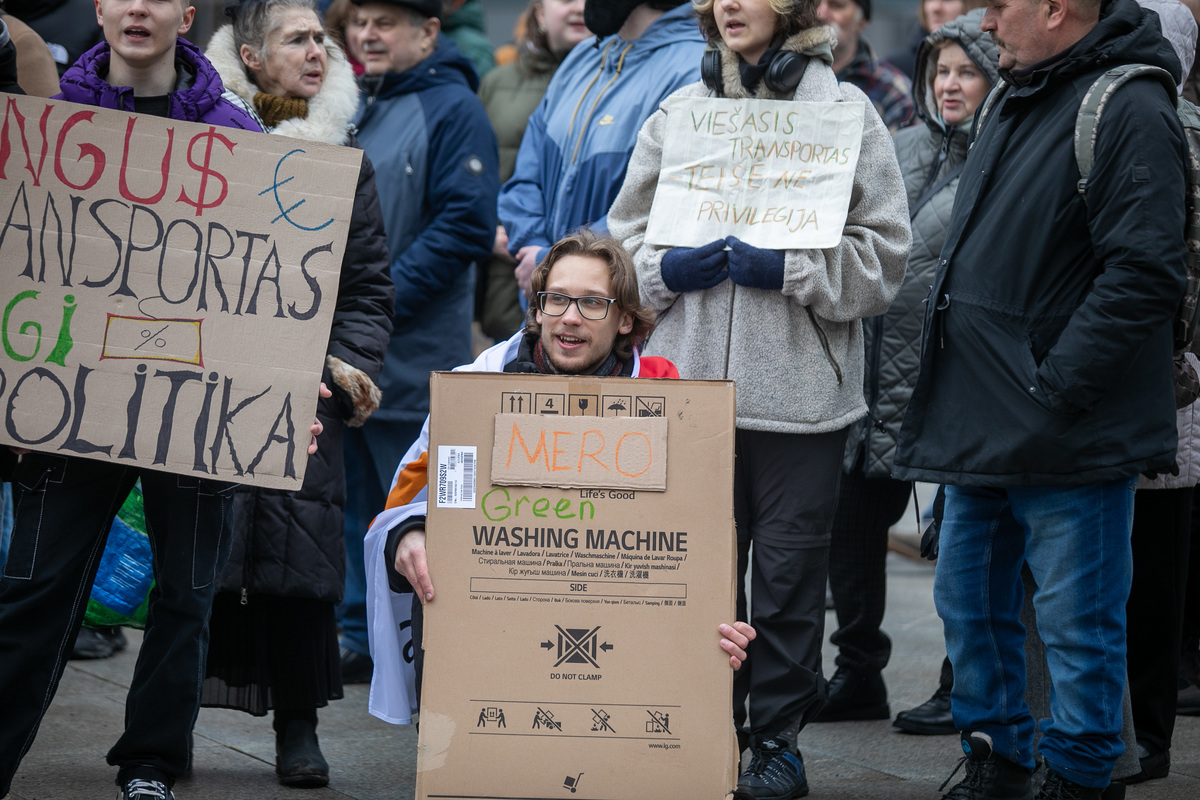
column 571, row 650
column 168, row 289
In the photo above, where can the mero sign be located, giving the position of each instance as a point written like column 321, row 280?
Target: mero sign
column 776, row 174
column 545, row 450
column 167, row 289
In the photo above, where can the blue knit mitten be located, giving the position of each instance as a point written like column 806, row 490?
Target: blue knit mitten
column 754, row 267
column 691, row 269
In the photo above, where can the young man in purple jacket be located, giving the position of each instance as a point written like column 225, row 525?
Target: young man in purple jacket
column 65, row 506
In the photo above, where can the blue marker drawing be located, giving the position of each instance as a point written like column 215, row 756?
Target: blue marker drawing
column 284, row 212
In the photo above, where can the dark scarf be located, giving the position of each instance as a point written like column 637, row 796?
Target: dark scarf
column 531, row 358
column 274, row 110
column 753, row 73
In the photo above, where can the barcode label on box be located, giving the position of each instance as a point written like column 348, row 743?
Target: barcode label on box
column 455, row 476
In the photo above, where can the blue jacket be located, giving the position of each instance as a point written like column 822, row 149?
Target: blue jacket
column 437, row 171
column 572, row 160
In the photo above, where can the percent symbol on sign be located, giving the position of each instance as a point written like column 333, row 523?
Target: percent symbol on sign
column 147, row 336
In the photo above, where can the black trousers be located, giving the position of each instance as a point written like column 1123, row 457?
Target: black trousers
column 784, row 495
column 1162, row 522
column 64, row 508
column 866, row 508
column 1191, row 605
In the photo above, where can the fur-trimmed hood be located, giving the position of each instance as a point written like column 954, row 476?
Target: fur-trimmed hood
column 812, row 42
column 329, row 113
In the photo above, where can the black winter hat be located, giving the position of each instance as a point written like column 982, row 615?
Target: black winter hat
column 866, row 7
column 605, row 17
column 430, row 8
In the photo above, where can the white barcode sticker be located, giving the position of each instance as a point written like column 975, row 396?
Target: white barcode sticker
column 455, row 476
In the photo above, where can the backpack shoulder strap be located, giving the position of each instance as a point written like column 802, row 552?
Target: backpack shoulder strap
column 988, row 102
column 1087, row 120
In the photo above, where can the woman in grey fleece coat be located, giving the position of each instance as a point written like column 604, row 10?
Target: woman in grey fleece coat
column 786, row 326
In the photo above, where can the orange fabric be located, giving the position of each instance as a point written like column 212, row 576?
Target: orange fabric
column 411, row 480
column 505, row 54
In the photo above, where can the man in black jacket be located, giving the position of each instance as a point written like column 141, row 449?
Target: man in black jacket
column 1046, row 386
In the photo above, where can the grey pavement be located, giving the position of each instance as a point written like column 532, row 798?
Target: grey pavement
column 371, row 760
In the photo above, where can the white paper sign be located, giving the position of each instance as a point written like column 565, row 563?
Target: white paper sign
column 776, row 174
column 456, row 476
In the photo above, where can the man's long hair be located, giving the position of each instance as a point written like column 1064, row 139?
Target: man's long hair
column 584, row 242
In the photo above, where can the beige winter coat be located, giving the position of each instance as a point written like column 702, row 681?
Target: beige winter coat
column 768, row 341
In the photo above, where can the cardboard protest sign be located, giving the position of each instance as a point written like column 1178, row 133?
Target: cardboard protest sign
column 571, row 648
column 167, row 289
column 775, row 174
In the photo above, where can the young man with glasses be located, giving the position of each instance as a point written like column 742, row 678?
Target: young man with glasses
column 586, row 319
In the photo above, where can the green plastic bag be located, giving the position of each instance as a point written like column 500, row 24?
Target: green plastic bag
column 121, row 591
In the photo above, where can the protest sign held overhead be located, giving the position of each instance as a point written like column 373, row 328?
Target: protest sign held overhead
column 167, row 289
column 775, row 174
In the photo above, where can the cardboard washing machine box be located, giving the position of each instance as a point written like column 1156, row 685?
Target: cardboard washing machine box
column 581, row 536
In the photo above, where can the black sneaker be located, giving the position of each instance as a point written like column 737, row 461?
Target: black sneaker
column 138, row 789
column 98, row 643
column 775, row 773
column 356, row 668
column 989, row 776
column 1057, row 787
column 931, row 718
column 855, row 695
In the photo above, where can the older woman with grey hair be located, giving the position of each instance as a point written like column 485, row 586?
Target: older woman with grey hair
column 274, row 634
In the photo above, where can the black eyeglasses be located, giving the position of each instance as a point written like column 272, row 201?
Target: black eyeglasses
column 555, row 304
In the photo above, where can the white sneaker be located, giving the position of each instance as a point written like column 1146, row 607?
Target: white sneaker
column 138, row 789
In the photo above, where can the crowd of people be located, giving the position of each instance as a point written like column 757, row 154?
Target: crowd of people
column 992, row 320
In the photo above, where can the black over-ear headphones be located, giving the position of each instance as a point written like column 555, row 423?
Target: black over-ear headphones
column 782, row 76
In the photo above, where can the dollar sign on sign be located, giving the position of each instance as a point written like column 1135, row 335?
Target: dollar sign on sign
column 201, row 197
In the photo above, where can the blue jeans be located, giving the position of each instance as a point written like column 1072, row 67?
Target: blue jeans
column 6, row 520
column 372, row 454
column 1076, row 541
column 364, row 499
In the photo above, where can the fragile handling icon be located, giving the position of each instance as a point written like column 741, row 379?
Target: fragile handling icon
column 491, row 714
column 602, row 721
column 658, row 723
column 545, row 719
